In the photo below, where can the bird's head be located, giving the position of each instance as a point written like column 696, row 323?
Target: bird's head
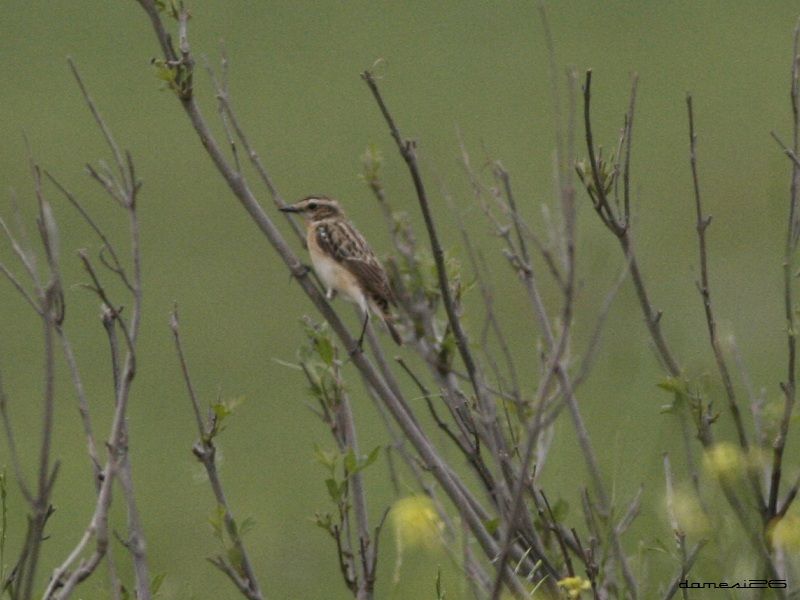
column 315, row 208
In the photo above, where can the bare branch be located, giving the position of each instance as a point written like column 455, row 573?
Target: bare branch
column 205, row 451
column 116, row 265
column 705, row 292
column 790, row 385
column 24, row 257
column 22, row 291
column 702, row 225
column 101, row 124
column 226, row 110
column 622, row 231
column 124, row 192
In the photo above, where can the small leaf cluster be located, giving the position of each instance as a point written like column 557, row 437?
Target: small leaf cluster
column 218, row 414
column 176, row 75
column 169, row 7
column 229, row 533
column 606, row 170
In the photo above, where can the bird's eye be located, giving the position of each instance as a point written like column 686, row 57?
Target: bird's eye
column 312, row 205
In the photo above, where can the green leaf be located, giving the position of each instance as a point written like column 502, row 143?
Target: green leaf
column 235, row 559
column 327, row 458
column 225, row 408
column 350, row 462
column 156, row 582
column 164, row 71
column 491, row 525
column 333, row 489
column 216, row 520
column 440, row 594
column 560, row 510
column 372, row 457
column 673, row 384
column 355, row 465
column 247, row 526
column 220, row 410
column 658, row 546
column 324, row 348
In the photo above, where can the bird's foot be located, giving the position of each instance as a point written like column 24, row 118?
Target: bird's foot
column 302, row 271
column 357, row 349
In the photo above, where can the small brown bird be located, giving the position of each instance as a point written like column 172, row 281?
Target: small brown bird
column 344, row 261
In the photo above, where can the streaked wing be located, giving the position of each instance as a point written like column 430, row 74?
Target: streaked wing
column 346, row 245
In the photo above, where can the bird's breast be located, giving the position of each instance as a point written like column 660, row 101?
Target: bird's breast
column 333, row 275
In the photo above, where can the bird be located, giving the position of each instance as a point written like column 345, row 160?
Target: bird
column 344, row 261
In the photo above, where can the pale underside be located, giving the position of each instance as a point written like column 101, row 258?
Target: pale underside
column 337, row 279
column 335, row 275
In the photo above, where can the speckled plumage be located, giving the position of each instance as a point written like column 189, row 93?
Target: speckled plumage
column 344, row 261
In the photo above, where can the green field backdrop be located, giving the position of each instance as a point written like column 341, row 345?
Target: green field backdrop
column 480, row 67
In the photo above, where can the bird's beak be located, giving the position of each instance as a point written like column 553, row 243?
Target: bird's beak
column 290, row 209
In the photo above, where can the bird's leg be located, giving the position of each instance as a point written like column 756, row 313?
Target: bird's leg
column 330, row 294
column 360, row 345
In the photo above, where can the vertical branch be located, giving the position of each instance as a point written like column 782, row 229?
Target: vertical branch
column 51, row 311
column 703, row 222
column 367, row 550
column 626, row 171
column 703, row 287
column 123, row 189
column 365, row 583
column 128, row 187
column 556, row 369
column 789, row 386
column 41, row 505
column 408, row 152
column 241, row 574
column 620, row 228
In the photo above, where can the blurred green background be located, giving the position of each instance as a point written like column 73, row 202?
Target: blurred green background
column 478, row 66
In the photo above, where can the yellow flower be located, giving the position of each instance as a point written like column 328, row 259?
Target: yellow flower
column 416, row 522
column 689, row 513
column 725, row 460
column 786, row 533
column 574, row 586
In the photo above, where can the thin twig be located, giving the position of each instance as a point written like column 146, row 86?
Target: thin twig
column 789, row 386
column 205, row 451
column 704, row 288
column 622, row 231
column 116, row 266
column 226, row 109
column 124, row 191
column 407, row 150
column 101, row 124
